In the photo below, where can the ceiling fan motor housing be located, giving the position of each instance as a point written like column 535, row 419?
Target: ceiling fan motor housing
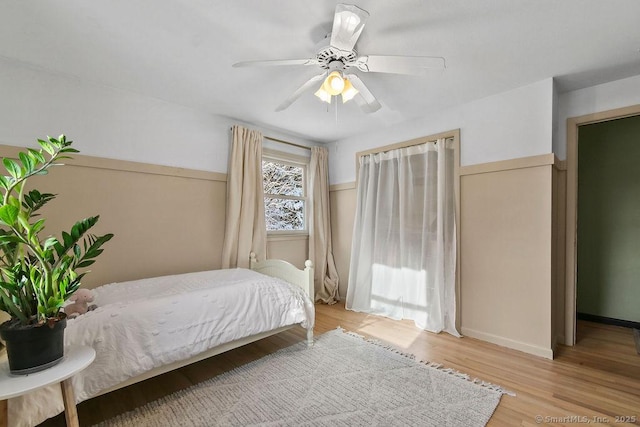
column 330, row 58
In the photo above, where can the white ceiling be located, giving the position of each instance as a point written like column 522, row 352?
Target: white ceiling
column 182, row 51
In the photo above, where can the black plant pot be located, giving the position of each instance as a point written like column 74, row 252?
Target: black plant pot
column 33, row 348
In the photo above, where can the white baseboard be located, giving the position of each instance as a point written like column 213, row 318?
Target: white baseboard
column 547, row 353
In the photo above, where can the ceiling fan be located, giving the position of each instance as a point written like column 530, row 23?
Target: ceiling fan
column 339, row 60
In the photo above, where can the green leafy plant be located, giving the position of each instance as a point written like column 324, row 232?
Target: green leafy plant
column 38, row 275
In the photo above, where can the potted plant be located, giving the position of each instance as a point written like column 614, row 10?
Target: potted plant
column 37, row 275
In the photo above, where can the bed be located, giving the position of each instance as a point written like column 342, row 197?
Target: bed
column 147, row 327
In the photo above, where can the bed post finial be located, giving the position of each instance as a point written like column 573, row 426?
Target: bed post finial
column 252, row 260
column 308, row 269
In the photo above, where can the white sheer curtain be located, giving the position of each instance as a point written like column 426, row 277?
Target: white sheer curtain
column 403, row 256
column 245, row 229
column 320, row 251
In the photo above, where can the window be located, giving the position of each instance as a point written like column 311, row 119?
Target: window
column 285, row 195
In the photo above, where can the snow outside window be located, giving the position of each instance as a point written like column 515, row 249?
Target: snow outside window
column 284, row 195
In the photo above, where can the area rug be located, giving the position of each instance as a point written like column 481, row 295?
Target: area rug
column 343, row 380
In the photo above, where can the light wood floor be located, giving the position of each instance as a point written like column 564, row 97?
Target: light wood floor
column 599, row 377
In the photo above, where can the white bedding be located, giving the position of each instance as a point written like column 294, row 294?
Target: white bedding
column 144, row 324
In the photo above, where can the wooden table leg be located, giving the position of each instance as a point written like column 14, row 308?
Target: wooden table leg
column 4, row 413
column 70, row 412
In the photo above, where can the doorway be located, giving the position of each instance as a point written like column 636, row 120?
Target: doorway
column 571, row 301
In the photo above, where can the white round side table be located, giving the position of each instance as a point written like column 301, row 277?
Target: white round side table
column 76, row 358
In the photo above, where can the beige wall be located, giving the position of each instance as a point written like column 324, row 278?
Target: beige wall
column 506, row 258
column 343, row 207
column 165, row 220
column 505, row 251
column 294, row 250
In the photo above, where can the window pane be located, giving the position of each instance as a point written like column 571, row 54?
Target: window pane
column 282, row 179
column 284, row 214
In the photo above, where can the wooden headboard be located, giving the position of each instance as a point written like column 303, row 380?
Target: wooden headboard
column 286, row 271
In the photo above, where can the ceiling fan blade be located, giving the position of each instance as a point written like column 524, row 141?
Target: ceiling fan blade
column 276, row 62
column 348, row 23
column 412, row 65
column 295, row 95
column 365, row 99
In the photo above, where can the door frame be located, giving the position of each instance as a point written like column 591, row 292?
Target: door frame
column 573, row 123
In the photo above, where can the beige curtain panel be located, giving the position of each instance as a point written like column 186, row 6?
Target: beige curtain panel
column 320, row 251
column 245, row 229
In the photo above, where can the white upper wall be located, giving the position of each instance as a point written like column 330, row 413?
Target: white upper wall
column 509, row 125
column 112, row 123
column 594, row 99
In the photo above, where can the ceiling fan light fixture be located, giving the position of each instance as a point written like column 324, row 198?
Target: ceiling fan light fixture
column 349, row 91
column 323, row 94
column 334, row 83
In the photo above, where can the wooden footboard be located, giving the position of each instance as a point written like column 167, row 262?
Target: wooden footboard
column 289, row 273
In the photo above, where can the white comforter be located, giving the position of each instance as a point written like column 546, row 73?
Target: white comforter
column 144, row 324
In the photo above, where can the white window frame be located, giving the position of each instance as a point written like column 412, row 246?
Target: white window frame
column 297, row 161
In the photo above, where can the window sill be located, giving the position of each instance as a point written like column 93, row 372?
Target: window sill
column 281, row 237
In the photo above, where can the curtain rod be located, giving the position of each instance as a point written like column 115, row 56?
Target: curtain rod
column 287, row 142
